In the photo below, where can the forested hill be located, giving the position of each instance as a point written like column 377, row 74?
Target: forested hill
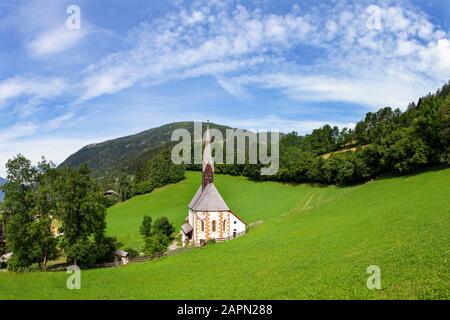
column 127, row 153
column 384, row 141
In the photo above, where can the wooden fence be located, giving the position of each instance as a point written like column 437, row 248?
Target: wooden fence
column 160, row 255
column 62, row 267
column 237, row 235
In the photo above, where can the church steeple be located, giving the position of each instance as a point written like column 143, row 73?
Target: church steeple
column 208, row 161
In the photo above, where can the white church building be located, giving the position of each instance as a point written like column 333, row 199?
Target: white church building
column 209, row 216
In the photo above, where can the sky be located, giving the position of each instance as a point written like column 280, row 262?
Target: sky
column 277, row 65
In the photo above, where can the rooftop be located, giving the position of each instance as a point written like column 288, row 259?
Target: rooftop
column 208, row 200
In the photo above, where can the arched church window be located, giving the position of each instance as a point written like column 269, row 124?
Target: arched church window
column 224, row 224
column 203, row 226
column 213, row 226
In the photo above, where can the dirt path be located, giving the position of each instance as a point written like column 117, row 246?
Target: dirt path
column 298, row 209
column 173, row 245
column 306, row 206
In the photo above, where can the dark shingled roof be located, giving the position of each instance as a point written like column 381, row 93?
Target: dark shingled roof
column 208, row 200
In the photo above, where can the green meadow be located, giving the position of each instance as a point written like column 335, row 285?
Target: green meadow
column 311, row 242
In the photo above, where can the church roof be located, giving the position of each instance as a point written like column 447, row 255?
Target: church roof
column 186, row 228
column 208, row 200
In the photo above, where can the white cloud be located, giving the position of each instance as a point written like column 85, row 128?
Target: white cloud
column 17, row 131
column 53, row 148
column 55, row 40
column 332, row 29
column 408, row 57
column 435, row 58
column 27, row 137
column 170, row 48
column 195, row 17
column 232, row 88
column 33, row 89
column 366, row 90
column 9, row 136
column 59, row 121
column 406, row 47
column 275, row 123
column 395, row 19
column 109, row 82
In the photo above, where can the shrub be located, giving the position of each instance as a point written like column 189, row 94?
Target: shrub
column 156, row 244
column 87, row 252
column 143, row 187
column 132, row 253
column 164, row 226
column 146, row 227
column 157, row 236
column 109, row 201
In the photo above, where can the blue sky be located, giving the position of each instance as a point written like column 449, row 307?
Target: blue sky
column 133, row 65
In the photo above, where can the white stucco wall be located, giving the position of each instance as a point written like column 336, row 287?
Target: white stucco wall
column 232, row 225
column 236, row 225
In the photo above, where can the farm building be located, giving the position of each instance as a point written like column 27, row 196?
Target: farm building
column 110, row 193
column 209, row 216
column 121, row 257
column 4, row 258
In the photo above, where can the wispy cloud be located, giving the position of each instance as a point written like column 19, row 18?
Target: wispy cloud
column 32, row 89
column 25, row 129
column 239, row 47
column 29, row 137
column 55, row 40
column 208, row 40
column 65, row 119
column 369, row 90
column 17, row 131
column 284, row 125
column 56, row 149
column 356, row 64
column 232, row 88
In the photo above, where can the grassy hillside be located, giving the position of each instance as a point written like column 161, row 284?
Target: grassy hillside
column 124, row 219
column 314, row 242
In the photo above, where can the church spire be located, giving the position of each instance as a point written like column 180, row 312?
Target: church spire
column 207, row 153
column 208, row 161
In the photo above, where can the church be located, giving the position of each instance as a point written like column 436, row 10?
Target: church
column 209, row 215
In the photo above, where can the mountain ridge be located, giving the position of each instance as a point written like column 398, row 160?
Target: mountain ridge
column 125, row 153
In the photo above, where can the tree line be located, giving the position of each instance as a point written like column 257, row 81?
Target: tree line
column 37, row 195
column 386, row 141
column 150, row 174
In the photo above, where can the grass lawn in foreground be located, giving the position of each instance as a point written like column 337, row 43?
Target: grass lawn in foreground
column 313, row 243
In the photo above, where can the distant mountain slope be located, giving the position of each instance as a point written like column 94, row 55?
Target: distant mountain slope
column 110, row 157
column 2, row 181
